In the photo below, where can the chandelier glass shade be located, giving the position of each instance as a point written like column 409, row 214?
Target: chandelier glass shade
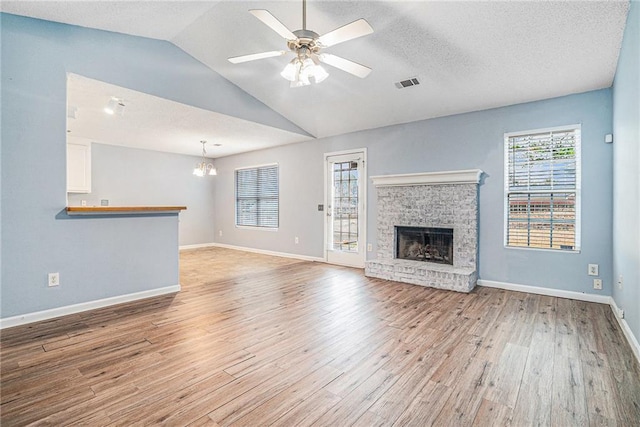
column 203, row 168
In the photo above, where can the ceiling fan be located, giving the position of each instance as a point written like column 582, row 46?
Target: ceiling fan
column 307, row 45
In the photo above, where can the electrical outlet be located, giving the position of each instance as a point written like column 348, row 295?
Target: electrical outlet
column 296, row 240
column 220, row 233
column 620, row 281
column 597, row 284
column 84, row 203
column 369, row 247
column 593, row 270
column 54, row 279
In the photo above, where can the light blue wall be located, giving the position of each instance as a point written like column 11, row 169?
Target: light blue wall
column 131, row 177
column 626, row 173
column 301, row 190
column 97, row 257
column 467, row 141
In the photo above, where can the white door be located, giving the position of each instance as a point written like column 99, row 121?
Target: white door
column 345, row 190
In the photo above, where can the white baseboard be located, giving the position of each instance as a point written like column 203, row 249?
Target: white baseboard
column 38, row 316
column 580, row 296
column 198, row 246
column 631, row 339
column 603, row 299
column 266, row 252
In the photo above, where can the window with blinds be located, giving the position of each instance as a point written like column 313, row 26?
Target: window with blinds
column 542, row 189
column 257, row 197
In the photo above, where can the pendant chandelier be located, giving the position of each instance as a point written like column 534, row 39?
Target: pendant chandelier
column 203, row 168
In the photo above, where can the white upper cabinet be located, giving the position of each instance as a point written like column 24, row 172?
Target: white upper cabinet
column 78, row 167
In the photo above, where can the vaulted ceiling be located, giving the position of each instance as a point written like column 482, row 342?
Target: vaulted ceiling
column 467, row 56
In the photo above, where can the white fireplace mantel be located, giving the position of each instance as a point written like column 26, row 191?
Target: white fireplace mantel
column 469, row 176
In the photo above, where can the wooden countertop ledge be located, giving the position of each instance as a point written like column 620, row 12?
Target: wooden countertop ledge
column 106, row 210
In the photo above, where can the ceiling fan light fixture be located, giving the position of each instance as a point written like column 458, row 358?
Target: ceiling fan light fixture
column 300, row 71
column 301, row 77
column 291, row 70
column 307, row 45
column 318, row 73
column 302, row 81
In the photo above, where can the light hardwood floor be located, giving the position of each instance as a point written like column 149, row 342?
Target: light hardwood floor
column 254, row 340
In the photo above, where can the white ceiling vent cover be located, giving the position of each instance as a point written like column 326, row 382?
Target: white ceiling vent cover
column 407, row 83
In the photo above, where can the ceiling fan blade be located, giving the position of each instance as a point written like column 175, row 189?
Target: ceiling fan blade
column 254, row 56
column 272, row 22
column 345, row 65
column 347, row 32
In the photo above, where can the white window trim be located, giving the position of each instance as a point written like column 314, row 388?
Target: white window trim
column 235, row 200
column 578, row 191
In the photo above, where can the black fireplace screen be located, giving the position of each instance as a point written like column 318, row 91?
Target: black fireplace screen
column 425, row 244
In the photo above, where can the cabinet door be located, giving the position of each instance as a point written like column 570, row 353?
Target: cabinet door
column 78, row 167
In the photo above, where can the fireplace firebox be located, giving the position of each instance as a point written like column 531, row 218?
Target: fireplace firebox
column 424, row 244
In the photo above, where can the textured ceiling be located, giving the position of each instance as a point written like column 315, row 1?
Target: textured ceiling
column 154, row 19
column 468, row 55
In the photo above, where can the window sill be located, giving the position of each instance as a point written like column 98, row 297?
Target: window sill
column 561, row 251
column 248, row 227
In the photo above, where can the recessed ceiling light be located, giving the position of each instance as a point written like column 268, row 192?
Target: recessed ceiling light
column 115, row 105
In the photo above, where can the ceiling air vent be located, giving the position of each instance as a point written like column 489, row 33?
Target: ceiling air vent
column 407, row 83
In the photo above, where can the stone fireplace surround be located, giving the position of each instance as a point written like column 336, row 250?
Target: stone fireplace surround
column 433, row 199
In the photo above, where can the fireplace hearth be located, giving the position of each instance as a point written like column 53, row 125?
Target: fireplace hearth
column 424, row 244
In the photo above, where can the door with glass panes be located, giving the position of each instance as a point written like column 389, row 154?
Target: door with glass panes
column 345, row 209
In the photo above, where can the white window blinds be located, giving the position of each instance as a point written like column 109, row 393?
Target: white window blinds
column 257, row 197
column 542, row 183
